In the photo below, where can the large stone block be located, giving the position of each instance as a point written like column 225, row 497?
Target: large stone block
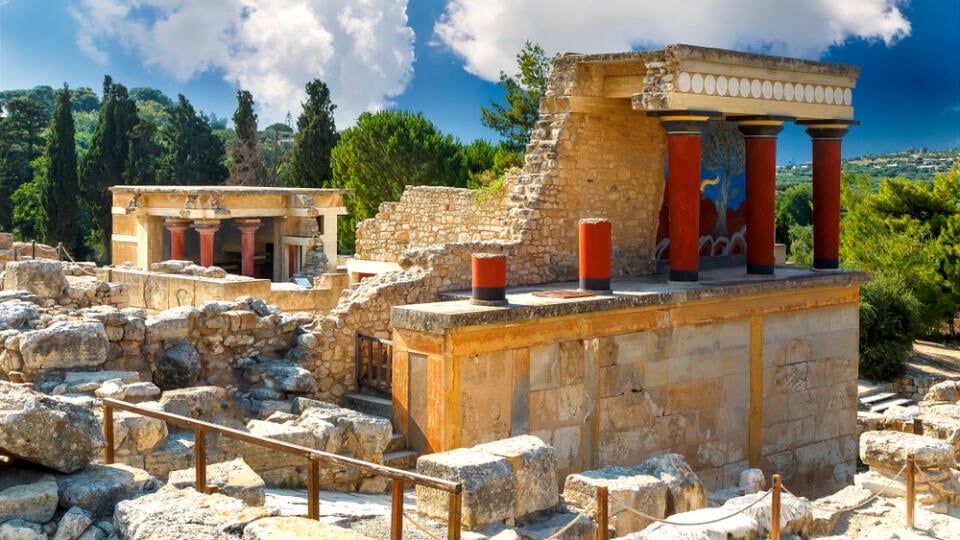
column 685, row 492
column 232, row 478
column 535, row 465
column 98, row 488
column 489, row 486
column 18, row 315
column 27, row 495
column 41, row 277
column 888, row 451
column 64, row 345
column 200, row 402
column 627, row 488
column 275, row 467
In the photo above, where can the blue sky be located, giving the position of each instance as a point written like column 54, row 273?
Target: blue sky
column 442, row 57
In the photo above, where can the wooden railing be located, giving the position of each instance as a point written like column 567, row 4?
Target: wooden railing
column 374, row 362
column 314, row 458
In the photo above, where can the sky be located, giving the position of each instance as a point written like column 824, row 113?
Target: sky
column 443, row 57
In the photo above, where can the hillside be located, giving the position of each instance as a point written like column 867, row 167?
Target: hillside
column 910, row 163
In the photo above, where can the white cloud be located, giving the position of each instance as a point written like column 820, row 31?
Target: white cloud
column 362, row 49
column 487, row 34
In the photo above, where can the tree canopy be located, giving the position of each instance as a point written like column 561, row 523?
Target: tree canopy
column 193, row 155
column 59, row 187
column 246, row 150
column 316, row 137
column 516, row 117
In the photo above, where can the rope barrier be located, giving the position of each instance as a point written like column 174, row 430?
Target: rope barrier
column 566, row 527
column 82, row 269
column 701, row 523
column 420, row 527
column 864, row 503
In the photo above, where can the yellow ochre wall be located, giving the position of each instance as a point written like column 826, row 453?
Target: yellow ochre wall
column 765, row 380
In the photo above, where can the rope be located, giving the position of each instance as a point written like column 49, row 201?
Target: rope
column 701, row 523
column 566, row 527
column 854, row 507
column 419, row 526
column 82, row 269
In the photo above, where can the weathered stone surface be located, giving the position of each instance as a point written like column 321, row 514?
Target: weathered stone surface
column 88, row 381
column 18, row 529
column 944, row 391
column 47, row 430
column 752, row 481
column 98, row 488
column 827, row 510
column 944, row 425
column 232, row 478
column 627, row 487
column 299, row 528
column 137, row 433
column 489, row 486
column 365, row 436
column 535, row 465
column 171, row 324
column 27, row 495
column 200, row 402
column 889, row 450
column 583, row 529
column 327, row 434
column 796, row 514
column 288, row 378
column 684, row 490
column 64, row 345
column 73, row 524
column 174, row 454
column 171, row 514
column 737, row 527
column 18, row 315
column 276, row 468
column 177, row 367
column 42, row 277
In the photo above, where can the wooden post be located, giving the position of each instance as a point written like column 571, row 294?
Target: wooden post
column 603, row 513
column 775, row 509
column 396, row 509
column 911, row 489
column 200, row 459
column 453, row 516
column 108, row 434
column 313, row 488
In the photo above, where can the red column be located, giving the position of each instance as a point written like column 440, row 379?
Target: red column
column 683, row 195
column 595, row 254
column 760, row 142
column 176, row 227
column 826, row 136
column 489, row 279
column 247, row 228
column 206, row 229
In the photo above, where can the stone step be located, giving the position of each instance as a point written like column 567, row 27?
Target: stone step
column 875, row 398
column 374, row 405
column 397, row 442
column 884, row 405
column 867, row 388
column 402, row 459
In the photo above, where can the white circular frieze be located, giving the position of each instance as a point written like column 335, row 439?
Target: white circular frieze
column 710, row 84
column 683, row 82
column 847, row 97
column 721, row 86
column 818, row 94
column 767, row 90
column 755, row 88
column 788, row 91
column 828, row 95
column 734, row 85
column 798, row 93
column 808, row 93
column 778, row 90
column 745, row 87
column 696, row 82
column 838, row 96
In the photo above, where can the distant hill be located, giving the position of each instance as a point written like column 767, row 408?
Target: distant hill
column 910, row 163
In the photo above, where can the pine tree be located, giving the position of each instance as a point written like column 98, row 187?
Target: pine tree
column 247, row 166
column 105, row 162
column 516, row 118
column 60, row 188
column 193, row 155
column 316, row 137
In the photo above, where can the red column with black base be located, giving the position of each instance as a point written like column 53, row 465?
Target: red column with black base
column 595, row 254
column 760, row 143
column 176, row 227
column 489, row 279
column 206, row 229
column 827, row 137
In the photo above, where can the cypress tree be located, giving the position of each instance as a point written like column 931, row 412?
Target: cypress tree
column 316, row 137
column 193, row 154
column 246, row 151
column 60, row 188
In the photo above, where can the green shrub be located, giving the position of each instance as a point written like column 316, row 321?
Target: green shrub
column 889, row 322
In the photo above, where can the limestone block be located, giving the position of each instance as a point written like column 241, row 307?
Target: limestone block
column 627, row 488
column 489, row 486
column 18, row 315
column 64, row 345
column 289, row 527
column 232, row 478
column 264, row 460
column 287, row 378
column 18, row 529
column 739, row 526
column 177, row 367
column 535, row 465
column 27, row 495
column 37, row 428
column 99, row 488
column 752, row 481
column 174, row 454
column 172, row 514
column 948, row 391
column 944, row 426
column 365, row 436
column 42, row 277
column 200, row 402
column 796, row 514
column 171, row 324
column 88, row 381
column 888, row 450
column 141, row 391
column 685, row 492
column 73, row 524
column 327, row 434
column 136, row 433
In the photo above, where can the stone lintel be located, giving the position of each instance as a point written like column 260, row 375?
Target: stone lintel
column 635, row 292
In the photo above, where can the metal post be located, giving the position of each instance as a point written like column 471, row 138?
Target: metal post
column 313, row 488
column 603, row 513
column 108, row 434
column 911, row 489
column 396, row 509
column 200, row 459
column 775, row 509
column 453, row 516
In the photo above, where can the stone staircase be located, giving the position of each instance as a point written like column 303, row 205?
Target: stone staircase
column 397, row 455
column 877, row 397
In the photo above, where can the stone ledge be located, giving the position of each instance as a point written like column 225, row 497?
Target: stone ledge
column 629, row 292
